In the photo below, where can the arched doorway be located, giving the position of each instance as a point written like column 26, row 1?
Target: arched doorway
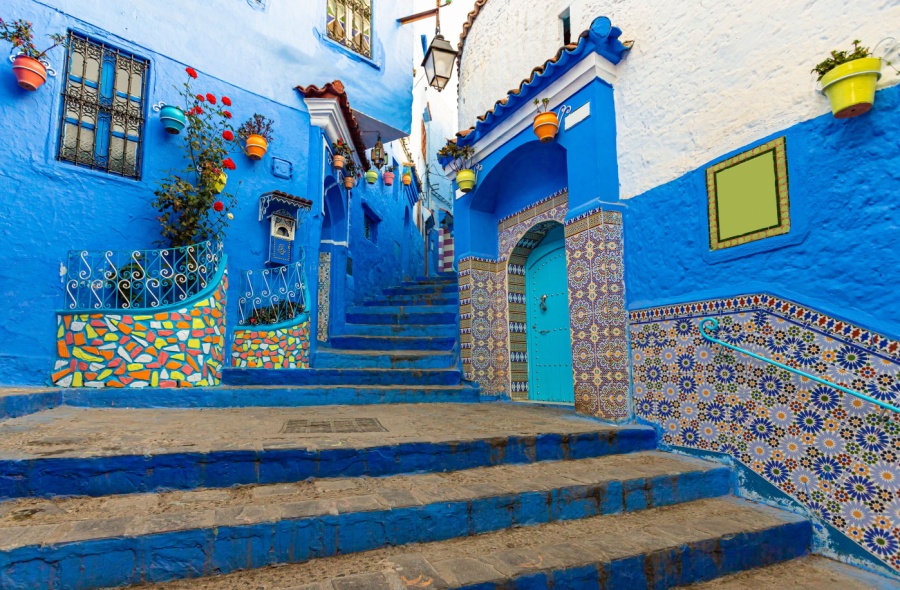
column 332, row 260
column 547, row 321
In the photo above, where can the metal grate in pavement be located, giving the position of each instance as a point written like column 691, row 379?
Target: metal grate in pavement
column 339, row 425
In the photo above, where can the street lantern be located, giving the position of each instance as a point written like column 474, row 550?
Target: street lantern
column 439, row 62
column 378, row 154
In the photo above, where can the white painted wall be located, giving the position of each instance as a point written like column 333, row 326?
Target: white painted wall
column 704, row 77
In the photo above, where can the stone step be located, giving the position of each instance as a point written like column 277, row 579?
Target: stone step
column 412, row 300
column 421, row 289
column 98, row 452
column 404, row 330
column 397, row 359
column 388, row 317
column 813, row 572
column 341, row 376
column 160, row 537
column 656, row 548
column 445, row 343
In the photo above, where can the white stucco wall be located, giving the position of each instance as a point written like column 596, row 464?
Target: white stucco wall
column 704, row 77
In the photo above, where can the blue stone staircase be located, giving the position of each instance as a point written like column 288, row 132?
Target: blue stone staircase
column 401, row 345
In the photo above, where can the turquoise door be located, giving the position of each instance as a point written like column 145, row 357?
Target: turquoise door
column 547, row 311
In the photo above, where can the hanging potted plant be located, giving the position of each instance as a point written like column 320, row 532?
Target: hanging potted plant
column 460, row 160
column 192, row 203
column 406, row 177
column 388, row 176
column 350, row 173
column 341, row 153
column 848, row 79
column 546, row 123
column 30, row 64
column 256, row 133
column 371, row 175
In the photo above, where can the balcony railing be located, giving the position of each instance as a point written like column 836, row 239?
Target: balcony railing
column 272, row 295
column 139, row 279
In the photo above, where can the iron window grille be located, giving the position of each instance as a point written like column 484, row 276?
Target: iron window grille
column 103, row 107
column 349, row 23
column 370, row 228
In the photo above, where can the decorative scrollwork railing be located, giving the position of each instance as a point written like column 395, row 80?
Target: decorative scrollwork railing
column 272, row 295
column 139, row 279
column 709, row 326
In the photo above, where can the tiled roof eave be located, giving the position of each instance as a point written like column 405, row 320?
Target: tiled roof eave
column 336, row 91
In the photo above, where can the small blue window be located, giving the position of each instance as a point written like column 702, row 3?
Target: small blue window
column 102, row 123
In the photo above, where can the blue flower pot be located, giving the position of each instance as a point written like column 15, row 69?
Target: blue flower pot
column 173, row 119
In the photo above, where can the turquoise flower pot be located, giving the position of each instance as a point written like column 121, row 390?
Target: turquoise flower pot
column 173, row 119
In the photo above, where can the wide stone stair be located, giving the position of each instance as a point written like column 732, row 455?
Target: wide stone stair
column 399, row 346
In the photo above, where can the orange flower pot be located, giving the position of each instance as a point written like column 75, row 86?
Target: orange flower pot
column 349, row 181
column 407, row 179
column 546, row 125
column 338, row 161
column 256, row 146
column 29, row 72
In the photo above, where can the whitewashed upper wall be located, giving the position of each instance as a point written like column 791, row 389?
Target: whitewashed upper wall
column 704, row 77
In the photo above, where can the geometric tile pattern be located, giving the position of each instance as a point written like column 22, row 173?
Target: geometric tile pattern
column 181, row 348
column 282, row 348
column 324, row 297
column 837, row 455
column 598, row 321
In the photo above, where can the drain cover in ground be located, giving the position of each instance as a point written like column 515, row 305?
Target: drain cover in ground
column 333, row 426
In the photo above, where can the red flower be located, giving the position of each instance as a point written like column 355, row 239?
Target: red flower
column 211, row 98
column 228, row 135
column 193, row 111
column 226, row 101
column 199, row 98
column 198, row 110
column 191, row 72
column 228, row 164
column 219, row 206
column 227, row 114
column 340, row 141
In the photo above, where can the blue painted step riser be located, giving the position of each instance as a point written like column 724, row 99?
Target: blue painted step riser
column 691, row 563
column 101, row 476
column 423, row 310
column 408, row 330
column 176, row 555
column 326, row 360
column 400, row 319
column 404, row 301
column 339, row 377
column 387, row 343
column 423, row 290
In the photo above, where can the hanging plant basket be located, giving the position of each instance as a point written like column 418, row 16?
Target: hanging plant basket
column 29, row 72
column 388, row 178
column 338, row 162
column 173, row 119
column 851, row 87
column 407, row 179
column 256, row 146
column 465, row 180
column 372, row 176
column 546, row 126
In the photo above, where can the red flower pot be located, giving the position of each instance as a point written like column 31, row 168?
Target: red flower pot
column 29, row 72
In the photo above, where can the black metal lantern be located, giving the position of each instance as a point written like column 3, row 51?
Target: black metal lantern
column 439, row 62
column 378, row 154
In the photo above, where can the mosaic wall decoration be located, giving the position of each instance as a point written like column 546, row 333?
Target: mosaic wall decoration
column 324, row 298
column 748, row 196
column 182, row 348
column 598, row 322
column 834, row 453
column 483, row 325
column 283, row 348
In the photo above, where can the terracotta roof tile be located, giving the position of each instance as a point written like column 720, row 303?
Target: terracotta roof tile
column 470, row 20
column 336, row 91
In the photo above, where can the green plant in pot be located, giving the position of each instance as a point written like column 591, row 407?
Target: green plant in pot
column 461, row 161
column 29, row 64
column 351, row 172
column 192, row 203
column 848, row 79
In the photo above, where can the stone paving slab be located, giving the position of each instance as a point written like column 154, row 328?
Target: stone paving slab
column 35, row 521
column 809, row 573
column 92, row 432
column 714, row 532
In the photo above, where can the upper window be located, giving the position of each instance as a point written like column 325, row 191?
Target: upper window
column 350, row 24
column 748, row 196
column 103, row 107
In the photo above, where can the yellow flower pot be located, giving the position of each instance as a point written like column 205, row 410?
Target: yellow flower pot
column 545, row 126
column 465, row 180
column 219, row 185
column 256, row 146
column 851, row 87
column 407, row 179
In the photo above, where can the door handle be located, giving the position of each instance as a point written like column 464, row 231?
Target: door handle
column 543, row 305
column 534, row 327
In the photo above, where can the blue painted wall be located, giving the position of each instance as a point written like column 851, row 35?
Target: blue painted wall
column 841, row 255
column 49, row 207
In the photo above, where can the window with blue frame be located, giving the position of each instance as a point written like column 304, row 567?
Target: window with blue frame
column 349, row 22
column 102, row 123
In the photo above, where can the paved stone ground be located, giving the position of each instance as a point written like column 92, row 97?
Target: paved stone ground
column 46, row 521
column 85, row 432
column 7, row 391
column 809, row 573
column 497, row 555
